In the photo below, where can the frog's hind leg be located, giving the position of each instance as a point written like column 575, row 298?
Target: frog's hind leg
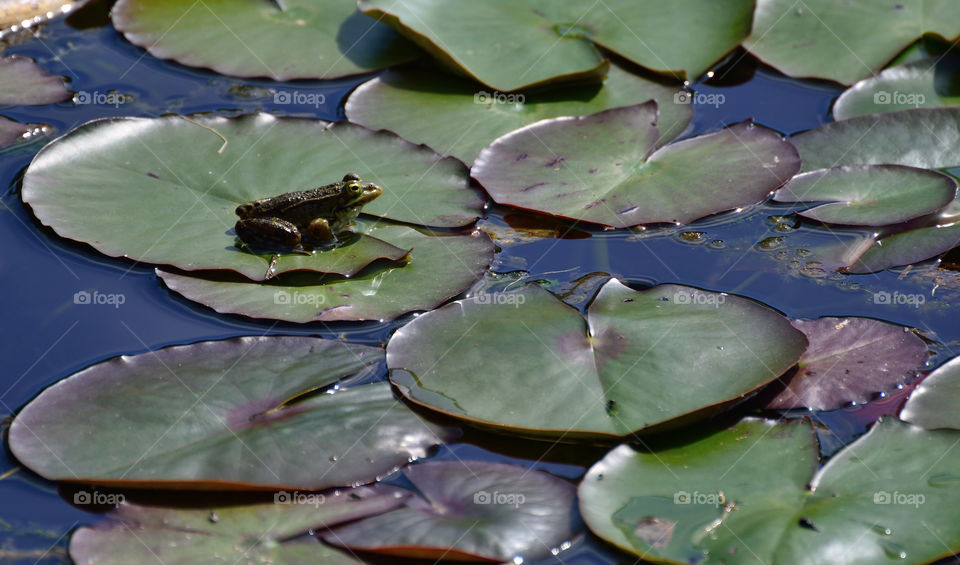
column 319, row 230
column 268, row 233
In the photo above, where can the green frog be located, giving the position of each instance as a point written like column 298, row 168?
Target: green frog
column 313, row 216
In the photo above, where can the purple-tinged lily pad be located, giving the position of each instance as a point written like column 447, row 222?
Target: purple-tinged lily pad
column 250, row 412
column 11, row 131
column 869, row 195
column 165, row 190
column 440, row 267
column 253, row 533
column 470, row 510
column 752, row 494
column 850, row 360
column 513, row 44
column 420, row 104
column 605, row 168
column 844, row 41
column 640, row 359
column 933, row 404
column 295, row 39
column 23, row 82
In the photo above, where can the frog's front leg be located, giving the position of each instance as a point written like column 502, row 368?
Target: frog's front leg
column 269, row 233
column 319, row 230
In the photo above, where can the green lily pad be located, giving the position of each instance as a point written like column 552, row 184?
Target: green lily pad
column 164, row 190
column 638, row 360
column 440, row 267
column 933, row 404
column 253, row 533
column 470, row 510
column 927, row 138
column 513, row 44
column 741, row 494
column 869, row 195
column 419, row 104
column 927, row 83
column 604, row 168
column 238, row 413
column 318, row 39
column 845, row 42
column 850, row 360
column 23, row 82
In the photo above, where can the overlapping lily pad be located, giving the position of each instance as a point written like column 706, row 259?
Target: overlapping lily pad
column 742, row 493
column 512, row 44
column 241, row 413
column 605, row 168
column 420, row 104
column 639, row 359
column 255, row 533
column 470, row 510
column 292, row 39
column 23, row 82
column 164, row 190
column 440, row 267
column 926, row 83
column 933, row 404
column 869, row 195
column 850, row 360
column 845, row 41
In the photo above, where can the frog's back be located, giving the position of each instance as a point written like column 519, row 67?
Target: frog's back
column 297, row 207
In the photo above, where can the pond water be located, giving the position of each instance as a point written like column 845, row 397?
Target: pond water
column 46, row 336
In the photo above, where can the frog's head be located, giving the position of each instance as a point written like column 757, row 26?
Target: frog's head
column 356, row 192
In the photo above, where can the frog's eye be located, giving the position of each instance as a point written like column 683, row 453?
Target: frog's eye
column 355, row 187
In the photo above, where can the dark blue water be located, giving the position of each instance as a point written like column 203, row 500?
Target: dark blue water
column 46, row 337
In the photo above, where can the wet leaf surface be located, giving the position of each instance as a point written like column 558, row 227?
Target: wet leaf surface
column 605, row 168
column 927, row 83
column 470, row 510
column 22, row 82
column 639, row 359
column 242, row 413
column 933, row 404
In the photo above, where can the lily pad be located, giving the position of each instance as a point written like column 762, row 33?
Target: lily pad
column 295, row 39
column 23, row 82
column 513, row 44
column 927, row 138
column 11, row 131
column 619, row 371
column 869, row 195
column 933, row 404
column 16, row 12
column 889, row 496
column 254, row 533
column 605, row 168
column 850, row 360
column 845, row 41
column 420, row 104
column 238, row 413
column 470, row 510
column 440, row 267
column 927, row 83
column 164, row 190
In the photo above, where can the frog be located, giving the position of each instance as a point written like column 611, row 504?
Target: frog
column 291, row 220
